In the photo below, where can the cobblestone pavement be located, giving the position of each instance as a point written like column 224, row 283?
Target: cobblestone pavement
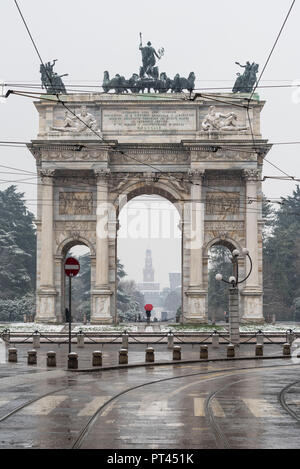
column 222, row 404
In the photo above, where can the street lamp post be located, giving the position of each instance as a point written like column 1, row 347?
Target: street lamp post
column 233, row 281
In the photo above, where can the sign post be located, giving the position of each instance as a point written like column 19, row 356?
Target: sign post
column 72, row 267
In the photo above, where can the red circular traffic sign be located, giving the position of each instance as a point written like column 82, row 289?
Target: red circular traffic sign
column 72, row 267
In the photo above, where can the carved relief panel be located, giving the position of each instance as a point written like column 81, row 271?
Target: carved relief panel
column 75, row 203
column 222, row 203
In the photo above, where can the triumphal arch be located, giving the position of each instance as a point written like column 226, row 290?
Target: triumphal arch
column 202, row 153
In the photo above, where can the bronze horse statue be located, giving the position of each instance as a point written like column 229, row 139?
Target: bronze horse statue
column 118, row 83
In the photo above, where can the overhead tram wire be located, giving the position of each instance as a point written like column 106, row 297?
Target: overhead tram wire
column 181, row 179
column 254, row 146
column 96, row 133
column 273, row 48
column 73, row 88
column 221, row 147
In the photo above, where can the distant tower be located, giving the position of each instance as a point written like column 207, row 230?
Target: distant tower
column 150, row 290
column 148, row 271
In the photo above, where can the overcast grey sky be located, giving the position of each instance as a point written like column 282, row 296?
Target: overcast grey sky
column 205, row 37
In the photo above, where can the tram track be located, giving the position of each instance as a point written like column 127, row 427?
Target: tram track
column 282, row 400
column 220, row 436
column 207, row 375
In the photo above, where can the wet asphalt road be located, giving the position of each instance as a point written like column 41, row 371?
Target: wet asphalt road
column 200, row 405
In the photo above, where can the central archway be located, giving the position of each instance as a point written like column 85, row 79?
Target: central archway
column 150, row 218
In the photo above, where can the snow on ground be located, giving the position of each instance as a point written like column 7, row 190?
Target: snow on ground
column 31, row 327
column 279, row 327
column 99, row 328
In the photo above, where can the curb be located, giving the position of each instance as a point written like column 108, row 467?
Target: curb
column 175, row 362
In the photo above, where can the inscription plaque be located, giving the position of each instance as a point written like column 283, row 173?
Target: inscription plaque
column 145, row 119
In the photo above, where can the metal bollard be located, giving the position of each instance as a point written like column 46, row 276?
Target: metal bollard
column 170, row 340
column 125, row 340
column 259, row 338
column 80, row 339
column 149, row 354
column 97, row 358
column 215, row 340
column 123, row 356
column 51, row 358
column 31, row 357
column 259, row 350
column 6, row 336
column 12, row 355
column 72, row 361
column 290, row 337
column 36, row 339
column 204, row 351
column 286, row 351
column 230, row 351
column 176, row 352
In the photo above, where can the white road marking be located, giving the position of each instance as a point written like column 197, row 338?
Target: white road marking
column 217, row 409
column 44, row 406
column 3, row 403
column 199, row 410
column 261, row 408
column 107, row 409
column 199, row 407
column 92, row 406
column 293, row 401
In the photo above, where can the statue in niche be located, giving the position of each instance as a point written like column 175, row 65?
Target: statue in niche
column 246, row 82
column 216, row 121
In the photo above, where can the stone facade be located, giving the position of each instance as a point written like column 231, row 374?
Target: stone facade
column 186, row 151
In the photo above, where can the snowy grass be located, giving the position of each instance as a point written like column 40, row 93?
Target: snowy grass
column 31, row 327
column 194, row 328
column 280, row 327
column 99, row 328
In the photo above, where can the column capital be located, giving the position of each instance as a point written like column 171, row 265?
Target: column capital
column 47, row 173
column 102, row 174
column 252, row 174
column 196, row 174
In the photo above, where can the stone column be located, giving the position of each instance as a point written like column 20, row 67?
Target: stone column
column 46, row 291
column 101, row 293
column 252, row 292
column 194, row 238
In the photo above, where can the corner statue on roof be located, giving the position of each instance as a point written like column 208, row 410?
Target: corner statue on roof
column 50, row 80
column 246, row 82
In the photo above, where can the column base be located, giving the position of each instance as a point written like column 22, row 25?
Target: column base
column 196, row 313
column 101, row 310
column 253, row 306
column 46, row 306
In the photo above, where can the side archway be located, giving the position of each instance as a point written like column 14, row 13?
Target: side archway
column 217, row 259
column 59, row 275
